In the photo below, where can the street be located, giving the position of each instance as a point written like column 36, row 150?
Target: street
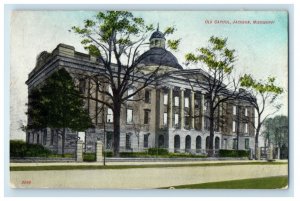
column 141, row 178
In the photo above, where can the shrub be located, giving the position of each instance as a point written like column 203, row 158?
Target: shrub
column 19, row 148
column 108, row 154
column 157, row 151
column 89, row 157
column 133, row 154
column 233, row 153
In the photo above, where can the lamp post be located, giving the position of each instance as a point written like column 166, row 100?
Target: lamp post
column 104, row 133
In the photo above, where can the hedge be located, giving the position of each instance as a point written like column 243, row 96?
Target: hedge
column 19, row 148
column 233, row 153
column 157, row 151
column 89, row 157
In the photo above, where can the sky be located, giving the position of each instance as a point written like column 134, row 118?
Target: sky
column 262, row 49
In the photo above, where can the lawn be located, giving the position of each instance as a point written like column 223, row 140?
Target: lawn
column 257, row 183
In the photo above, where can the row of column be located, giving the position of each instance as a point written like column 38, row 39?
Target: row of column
column 182, row 106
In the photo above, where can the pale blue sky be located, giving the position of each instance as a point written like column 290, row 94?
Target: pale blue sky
column 261, row 49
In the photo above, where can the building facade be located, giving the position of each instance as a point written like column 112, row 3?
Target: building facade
column 169, row 115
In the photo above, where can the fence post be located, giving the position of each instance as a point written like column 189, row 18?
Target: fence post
column 99, row 154
column 79, row 151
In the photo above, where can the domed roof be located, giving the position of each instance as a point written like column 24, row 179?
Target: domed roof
column 157, row 34
column 158, row 57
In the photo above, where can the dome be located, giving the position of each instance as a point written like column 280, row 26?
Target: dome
column 157, row 34
column 158, row 57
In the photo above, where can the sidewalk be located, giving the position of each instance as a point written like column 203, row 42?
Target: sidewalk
column 138, row 163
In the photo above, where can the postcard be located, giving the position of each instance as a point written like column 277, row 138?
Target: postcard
column 116, row 99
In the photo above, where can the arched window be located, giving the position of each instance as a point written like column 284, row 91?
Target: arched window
column 161, row 141
column 198, row 142
column 188, row 143
column 176, row 142
column 217, row 143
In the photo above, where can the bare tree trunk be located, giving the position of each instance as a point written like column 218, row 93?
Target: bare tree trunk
column 256, row 137
column 117, row 126
column 211, row 130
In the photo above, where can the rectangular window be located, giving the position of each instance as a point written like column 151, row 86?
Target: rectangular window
column 146, row 116
column 246, row 112
column 130, row 91
column 129, row 116
column 165, row 118
column 147, row 96
column 109, row 116
column 186, row 102
column 146, row 139
column 233, row 126
column 234, row 110
column 246, row 143
column 128, row 141
column 176, row 101
column 165, row 99
column 176, row 119
column 246, row 128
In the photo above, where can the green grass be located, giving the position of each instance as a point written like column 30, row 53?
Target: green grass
column 257, row 183
column 89, row 167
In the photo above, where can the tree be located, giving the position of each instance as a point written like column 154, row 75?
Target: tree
column 263, row 96
column 276, row 130
column 36, row 111
column 116, row 38
column 217, row 81
column 57, row 104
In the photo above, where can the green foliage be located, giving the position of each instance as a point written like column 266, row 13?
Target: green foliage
column 110, row 23
column 173, row 44
column 89, row 157
column 260, row 86
column 19, row 148
column 108, row 154
column 62, row 101
column 257, row 183
column 216, row 56
column 169, row 30
column 37, row 112
column 277, row 130
column 157, row 151
column 233, row 153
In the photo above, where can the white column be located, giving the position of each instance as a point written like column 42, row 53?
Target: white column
column 79, row 151
column 192, row 112
column 170, row 108
column 171, row 142
column 202, row 111
column 181, row 108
